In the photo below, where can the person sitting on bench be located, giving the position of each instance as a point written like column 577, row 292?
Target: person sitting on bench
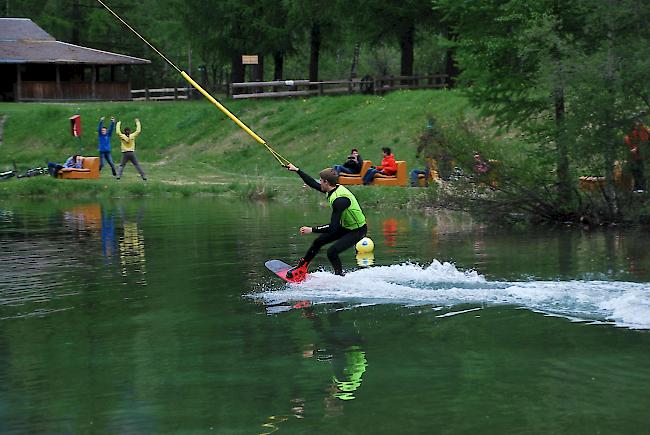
column 388, row 167
column 75, row 161
column 352, row 165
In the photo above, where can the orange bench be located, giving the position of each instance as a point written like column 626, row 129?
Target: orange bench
column 597, row 183
column 355, row 178
column 400, row 178
column 90, row 169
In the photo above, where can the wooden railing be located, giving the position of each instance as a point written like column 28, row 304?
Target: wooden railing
column 301, row 88
column 160, row 94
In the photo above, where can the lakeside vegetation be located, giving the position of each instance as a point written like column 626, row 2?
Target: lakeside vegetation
column 190, row 148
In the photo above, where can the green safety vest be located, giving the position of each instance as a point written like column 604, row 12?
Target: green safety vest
column 352, row 217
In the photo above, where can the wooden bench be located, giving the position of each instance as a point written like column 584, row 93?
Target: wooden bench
column 355, row 178
column 90, row 169
column 597, row 183
column 401, row 178
column 422, row 180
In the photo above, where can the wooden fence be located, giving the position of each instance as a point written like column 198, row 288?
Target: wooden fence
column 161, row 94
column 366, row 85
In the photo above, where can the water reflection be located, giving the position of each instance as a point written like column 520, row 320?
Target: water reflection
column 109, row 242
column 81, row 218
column 272, row 423
column 340, row 344
column 91, row 354
column 389, row 229
column 365, row 259
column 131, row 247
column 85, row 220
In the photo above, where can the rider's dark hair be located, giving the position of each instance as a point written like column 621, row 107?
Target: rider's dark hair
column 330, row 176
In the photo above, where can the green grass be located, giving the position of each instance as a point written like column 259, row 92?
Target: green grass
column 189, row 148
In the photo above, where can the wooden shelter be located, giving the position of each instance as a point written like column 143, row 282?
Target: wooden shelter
column 36, row 67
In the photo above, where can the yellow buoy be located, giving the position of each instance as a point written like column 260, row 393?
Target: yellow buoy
column 365, row 245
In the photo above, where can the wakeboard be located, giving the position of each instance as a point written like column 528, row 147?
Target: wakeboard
column 280, row 268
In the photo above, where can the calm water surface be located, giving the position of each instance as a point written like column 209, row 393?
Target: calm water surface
column 158, row 316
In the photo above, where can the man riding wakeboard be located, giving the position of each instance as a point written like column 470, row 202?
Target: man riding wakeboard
column 347, row 225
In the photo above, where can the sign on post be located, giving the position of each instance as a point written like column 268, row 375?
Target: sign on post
column 249, row 59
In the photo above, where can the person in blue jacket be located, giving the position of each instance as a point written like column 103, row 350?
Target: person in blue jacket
column 104, row 138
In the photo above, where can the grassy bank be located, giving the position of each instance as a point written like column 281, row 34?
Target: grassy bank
column 282, row 189
column 185, row 135
column 190, row 148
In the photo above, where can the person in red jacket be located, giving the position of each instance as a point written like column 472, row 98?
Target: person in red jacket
column 637, row 140
column 388, row 167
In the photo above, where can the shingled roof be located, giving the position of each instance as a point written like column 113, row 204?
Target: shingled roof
column 22, row 41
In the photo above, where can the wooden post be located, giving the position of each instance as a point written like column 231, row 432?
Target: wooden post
column 349, row 86
column 321, row 89
column 92, row 81
column 128, row 79
column 59, row 91
column 146, row 94
column 175, row 93
column 18, row 95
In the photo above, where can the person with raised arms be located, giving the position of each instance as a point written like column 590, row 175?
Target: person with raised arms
column 127, row 144
column 346, row 227
column 104, row 138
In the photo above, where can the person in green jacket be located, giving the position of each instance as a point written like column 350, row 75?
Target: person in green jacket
column 347, row 225
column 127, row 144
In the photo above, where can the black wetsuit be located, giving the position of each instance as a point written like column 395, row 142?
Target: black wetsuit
column 333, row 231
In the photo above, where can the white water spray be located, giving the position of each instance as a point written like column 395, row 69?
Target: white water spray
column 625, row 304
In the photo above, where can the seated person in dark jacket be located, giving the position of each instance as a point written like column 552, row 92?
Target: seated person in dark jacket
column 75, row 161
column 352, row 165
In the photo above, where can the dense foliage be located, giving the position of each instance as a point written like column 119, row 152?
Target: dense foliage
column 569, row 78
column 297, row 39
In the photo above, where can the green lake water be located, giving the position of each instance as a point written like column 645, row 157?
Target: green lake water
column 158, row 316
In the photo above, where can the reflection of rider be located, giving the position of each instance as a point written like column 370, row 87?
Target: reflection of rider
column 343, row 348
column 349, row 378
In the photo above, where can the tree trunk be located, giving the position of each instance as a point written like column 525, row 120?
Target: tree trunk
column 258, row 70
column 314, row 52
column 278, row 65
column 76, row 23
column 564, row 182
column 451, row 69
column 610, row 136
column 355, row 61
column 216, row 80
column 406, row 48
column 237, row 69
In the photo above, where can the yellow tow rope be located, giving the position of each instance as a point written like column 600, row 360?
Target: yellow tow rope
column 284, row 162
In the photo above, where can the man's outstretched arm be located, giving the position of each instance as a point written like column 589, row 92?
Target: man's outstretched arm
column 305, row 177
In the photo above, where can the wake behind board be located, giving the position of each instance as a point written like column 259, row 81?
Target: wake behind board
column 280, row 269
